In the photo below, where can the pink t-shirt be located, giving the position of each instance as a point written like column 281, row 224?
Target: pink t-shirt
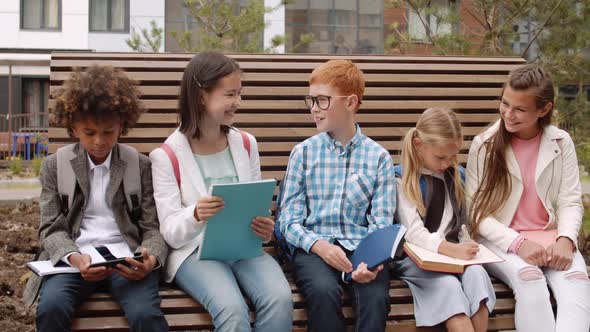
column 530, row 214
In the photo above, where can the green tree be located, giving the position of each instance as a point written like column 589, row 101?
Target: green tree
column 559, row 39
column 147, row 41
column 565, row 50
column 224, row 26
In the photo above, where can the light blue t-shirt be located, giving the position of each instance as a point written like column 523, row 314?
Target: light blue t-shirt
column 217, row 168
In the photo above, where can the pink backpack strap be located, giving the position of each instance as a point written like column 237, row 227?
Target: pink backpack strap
column 246, row 141
column 173, row 160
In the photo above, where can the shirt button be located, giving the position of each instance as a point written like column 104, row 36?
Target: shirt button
column 335, row 210
column 354, row 177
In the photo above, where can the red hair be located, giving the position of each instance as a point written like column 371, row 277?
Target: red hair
column 342, row 75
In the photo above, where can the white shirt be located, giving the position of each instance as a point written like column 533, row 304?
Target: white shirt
column 408, row 215
column 98, row 226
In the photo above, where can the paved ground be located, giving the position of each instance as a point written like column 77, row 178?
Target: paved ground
column 16, row 191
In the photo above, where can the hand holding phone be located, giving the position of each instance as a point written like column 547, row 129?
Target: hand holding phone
column 123, row 260
column 136, row 269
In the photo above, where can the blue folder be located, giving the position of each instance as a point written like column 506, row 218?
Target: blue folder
column 379, row 247
column 229, row 234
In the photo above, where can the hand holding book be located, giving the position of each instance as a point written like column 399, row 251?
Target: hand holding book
column 207, row 207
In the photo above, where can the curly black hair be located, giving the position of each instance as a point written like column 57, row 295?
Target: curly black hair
column 98, row 92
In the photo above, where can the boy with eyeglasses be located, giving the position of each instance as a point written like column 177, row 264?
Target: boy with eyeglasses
column 338, row 188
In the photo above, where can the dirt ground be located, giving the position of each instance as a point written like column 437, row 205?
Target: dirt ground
column 18, row 245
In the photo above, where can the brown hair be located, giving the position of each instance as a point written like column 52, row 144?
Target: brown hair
column 202, row 74
column 99, row 92
column 495, row 186
column 342, row 75
column 435, row 126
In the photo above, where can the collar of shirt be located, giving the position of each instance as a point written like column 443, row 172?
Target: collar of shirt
column 426, row 171
column 333, row 144
column 106, row 163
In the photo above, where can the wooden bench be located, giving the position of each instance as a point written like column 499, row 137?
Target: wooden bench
column 398, row 90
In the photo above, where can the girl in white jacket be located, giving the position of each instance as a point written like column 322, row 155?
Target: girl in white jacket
column 524, row 195
column 209, row 151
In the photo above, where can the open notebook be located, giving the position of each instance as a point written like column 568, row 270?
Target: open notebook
column 43, row 268
column 432, row 261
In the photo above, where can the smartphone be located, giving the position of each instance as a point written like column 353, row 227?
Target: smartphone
column 113, row 263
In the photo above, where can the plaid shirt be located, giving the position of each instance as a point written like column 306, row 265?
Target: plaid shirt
column 336, row 193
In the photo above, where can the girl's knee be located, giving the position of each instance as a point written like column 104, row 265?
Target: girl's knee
column 531, row 274
column 576, row 276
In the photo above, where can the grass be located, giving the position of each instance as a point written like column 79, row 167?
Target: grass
column 586, row 222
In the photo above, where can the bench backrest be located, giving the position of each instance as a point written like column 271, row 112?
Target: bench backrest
column 398, row 89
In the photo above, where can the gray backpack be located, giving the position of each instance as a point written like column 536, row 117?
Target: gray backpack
column 66, row 181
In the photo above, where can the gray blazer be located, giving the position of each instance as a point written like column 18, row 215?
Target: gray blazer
column 57, row 232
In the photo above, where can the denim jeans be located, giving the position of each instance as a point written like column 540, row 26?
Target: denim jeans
column 61, row 294
column 533, row 312
column 218, row 286
column 322, row 288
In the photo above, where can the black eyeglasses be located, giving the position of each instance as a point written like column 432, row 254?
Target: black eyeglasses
column 322, row 101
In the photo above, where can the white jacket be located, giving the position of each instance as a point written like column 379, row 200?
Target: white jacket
column 180, row 229
column 556, row 177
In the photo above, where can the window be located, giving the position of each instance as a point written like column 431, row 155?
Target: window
column 40, row 14
column 109, row 15
column 339, row 27
column 435, row 15
column 35, row 92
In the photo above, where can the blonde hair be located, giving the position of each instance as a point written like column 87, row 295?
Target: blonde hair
column 435, row 126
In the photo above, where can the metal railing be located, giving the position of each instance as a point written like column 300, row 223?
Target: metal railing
column 23, row 135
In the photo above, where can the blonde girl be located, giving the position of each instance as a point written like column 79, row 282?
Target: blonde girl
column 431, row 206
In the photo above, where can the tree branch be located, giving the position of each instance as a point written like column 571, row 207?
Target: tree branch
column 528, row 46
column 426, row 26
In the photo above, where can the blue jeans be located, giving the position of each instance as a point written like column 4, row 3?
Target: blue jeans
column 61, row 294
column 322, row 288
column 216, row 285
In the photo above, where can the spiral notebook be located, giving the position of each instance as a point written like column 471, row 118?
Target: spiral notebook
column 228, row 234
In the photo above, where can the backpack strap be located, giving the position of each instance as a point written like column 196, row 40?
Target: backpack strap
column 173, row 161
column 131, row 180
column 66, row 182
column 245, row 141
column 399, row 173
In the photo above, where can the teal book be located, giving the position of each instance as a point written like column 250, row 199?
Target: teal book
column 229, row 234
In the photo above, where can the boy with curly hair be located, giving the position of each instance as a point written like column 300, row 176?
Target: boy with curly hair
column 96, row 106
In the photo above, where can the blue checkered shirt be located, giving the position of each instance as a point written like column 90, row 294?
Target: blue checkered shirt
column 336, row 193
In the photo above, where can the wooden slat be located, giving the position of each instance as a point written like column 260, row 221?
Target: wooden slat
column 163, row 65
column 298, row 119
column 261, row 134
column 303, row 78
column 283, row 147
column 265, row 161
column 370, row 92
column 289, row 105
column 293, row 57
